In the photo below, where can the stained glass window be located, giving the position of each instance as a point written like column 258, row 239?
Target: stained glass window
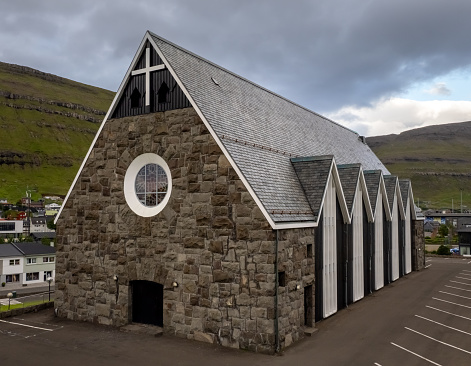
column 151, row 185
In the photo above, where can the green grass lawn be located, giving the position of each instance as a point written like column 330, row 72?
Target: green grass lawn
column 22, row 305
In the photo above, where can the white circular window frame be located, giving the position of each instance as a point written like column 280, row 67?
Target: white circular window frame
column 130, row 179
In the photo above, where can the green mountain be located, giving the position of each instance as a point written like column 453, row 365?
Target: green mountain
column 436, row 158
column 47, row 124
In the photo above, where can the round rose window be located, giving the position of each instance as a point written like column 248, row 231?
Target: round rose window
column 147, row 185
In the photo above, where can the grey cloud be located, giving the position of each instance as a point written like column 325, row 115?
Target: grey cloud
column 320, row 54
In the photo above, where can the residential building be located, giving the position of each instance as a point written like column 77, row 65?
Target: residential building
column 26, row 263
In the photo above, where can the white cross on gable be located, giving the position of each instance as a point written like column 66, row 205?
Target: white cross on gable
column 147, row 70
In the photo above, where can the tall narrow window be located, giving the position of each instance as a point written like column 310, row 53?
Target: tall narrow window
column 162, row 93
column 136, row 99
column 282, row 279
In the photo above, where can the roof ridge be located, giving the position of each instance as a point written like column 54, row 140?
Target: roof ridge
column 247, row 80
column 345, row 166
column 18, row 248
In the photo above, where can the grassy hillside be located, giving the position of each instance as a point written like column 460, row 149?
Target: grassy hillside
column 47, row 124
column 437, row 159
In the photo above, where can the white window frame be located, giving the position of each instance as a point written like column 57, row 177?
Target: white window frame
column 32, row 279
column 30, row 261
column 129, row 182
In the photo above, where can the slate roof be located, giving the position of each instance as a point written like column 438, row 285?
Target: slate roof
column 390, row 182
column 261, row 131
column 404, row 185
column 34, row 248
column 349, row 175
column 313, row 173
column 9, row 250
column 38, row 220
column 47, row 234
column 372, row 179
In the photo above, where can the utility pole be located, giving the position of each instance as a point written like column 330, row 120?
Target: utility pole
column 28, row 197
column 461, row 207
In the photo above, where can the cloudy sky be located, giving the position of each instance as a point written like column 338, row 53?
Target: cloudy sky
column 375, row 66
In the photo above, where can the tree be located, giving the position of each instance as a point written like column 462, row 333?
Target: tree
column 443, row 250
column 443, row 230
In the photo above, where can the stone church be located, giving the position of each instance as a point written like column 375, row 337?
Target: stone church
column 225, row 213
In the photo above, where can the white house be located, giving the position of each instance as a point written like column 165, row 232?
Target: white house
column 26, row 263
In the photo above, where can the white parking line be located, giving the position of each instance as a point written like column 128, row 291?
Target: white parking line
column 454, row 303
column 443, row 325
column 461, row 283
column 464, row 274
column 28, row 326
column 428, row 266
column 443, row 311
column 457, row 288
column 465, row 270
column 377, row 364
column 449, row 293
column 415, row 354
column 464, row 278
column 436, row 340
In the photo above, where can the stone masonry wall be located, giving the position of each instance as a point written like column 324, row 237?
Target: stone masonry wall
column 418, row 244
column 211, row 238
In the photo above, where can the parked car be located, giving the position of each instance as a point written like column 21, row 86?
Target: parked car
column 455, row 251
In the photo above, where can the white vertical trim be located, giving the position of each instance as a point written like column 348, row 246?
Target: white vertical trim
column 395, row 239
column 357, row 226
column 379, row 244
column 408, row 241
column 329, row 242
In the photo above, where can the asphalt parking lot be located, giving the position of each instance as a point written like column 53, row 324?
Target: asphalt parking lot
column 423, row 318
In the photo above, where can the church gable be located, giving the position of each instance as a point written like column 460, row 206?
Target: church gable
column 150, row 87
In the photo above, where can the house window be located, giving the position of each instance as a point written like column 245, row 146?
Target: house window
column 14, row 262
column 147, row 185
column 282, row 279
column 45, row 259
column 7, row 226
column 30, row 260
column 52, row 259
column 33, row 276
column 12, row 278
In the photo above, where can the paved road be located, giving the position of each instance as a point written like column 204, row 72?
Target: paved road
column 417, row 320
column 24, row 290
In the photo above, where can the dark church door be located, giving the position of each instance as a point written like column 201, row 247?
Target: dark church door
column 147, row 302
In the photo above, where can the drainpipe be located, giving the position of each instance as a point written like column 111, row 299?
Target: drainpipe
column 277, row 336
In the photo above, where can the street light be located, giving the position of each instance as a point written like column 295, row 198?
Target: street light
column 9, row 295
column 49, row 280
